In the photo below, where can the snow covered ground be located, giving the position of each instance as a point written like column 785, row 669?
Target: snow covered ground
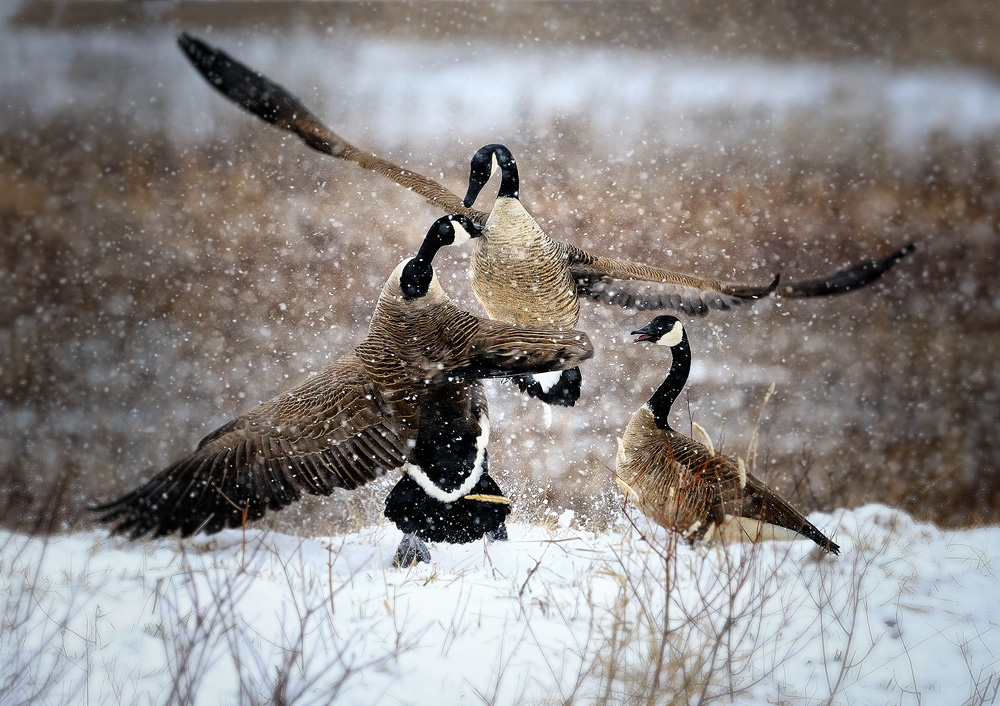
column 906, row 615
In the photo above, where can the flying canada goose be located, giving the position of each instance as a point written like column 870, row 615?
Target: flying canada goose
column 519, row 275
column 409, row 396
column 686, row 486
column 603, row 279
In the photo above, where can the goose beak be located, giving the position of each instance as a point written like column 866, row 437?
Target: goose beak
column 643, row 334
column 470, row 196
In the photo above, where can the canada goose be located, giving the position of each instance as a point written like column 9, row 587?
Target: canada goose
column 686, row 486
column 383, row 406
column 608, row 280
column 519, row 275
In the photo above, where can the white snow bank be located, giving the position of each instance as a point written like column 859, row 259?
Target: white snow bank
column 907, row 614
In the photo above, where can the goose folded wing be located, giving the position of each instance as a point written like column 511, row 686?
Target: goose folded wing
column 632, row 285
column 334, row 430
column 274, row 104
column 759, row 502
column 737, row 492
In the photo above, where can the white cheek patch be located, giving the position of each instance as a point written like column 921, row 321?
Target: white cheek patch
column 495, row 165
column 673, row 336
column 461, row 234
column 547, row 381
column 427, row 485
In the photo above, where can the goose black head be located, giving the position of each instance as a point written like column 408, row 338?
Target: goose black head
column 419, row 271
column 664, row 330
column 484, row 163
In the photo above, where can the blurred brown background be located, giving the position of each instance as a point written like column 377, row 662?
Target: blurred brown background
column 169, row 261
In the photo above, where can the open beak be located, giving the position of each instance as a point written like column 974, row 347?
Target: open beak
column 642, row 333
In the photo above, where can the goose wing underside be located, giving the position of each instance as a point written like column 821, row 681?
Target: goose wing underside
column 632, row 285
column 335, row 430
column 274, row 104
column 635, row 286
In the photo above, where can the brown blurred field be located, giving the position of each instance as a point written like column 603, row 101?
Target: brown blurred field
column 153, row 289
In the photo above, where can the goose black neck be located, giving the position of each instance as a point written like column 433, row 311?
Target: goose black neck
column 419, row 271
column 666, row 394
column 509, row 182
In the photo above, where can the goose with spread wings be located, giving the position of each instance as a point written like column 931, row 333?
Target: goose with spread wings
column 408, row 397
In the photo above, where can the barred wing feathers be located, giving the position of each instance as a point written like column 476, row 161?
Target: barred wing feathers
column 334, row 430
column 498, row 349
column 633, row 285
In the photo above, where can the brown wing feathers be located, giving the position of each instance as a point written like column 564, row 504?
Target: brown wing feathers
column 502, row 349
column 275, row 105
column 266, row 458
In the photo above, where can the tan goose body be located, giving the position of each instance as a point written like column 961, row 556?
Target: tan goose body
column 654, row 467
column 519, row 275
column 357, row 418
column 686, row 486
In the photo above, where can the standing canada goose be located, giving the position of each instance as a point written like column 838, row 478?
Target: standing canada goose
column 408, row 396
column 686, row 486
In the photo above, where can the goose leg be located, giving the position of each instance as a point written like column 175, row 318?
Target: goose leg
column 411, row 551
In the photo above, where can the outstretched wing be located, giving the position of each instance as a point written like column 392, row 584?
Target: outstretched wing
column 607, row 280
column 498, row 349
column 635, row 286
column 273, row 104
column 334, row 430
column 632, row 285
column 845, row 280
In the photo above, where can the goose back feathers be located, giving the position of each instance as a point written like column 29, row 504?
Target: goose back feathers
column 354, row 420
column 684, row 485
